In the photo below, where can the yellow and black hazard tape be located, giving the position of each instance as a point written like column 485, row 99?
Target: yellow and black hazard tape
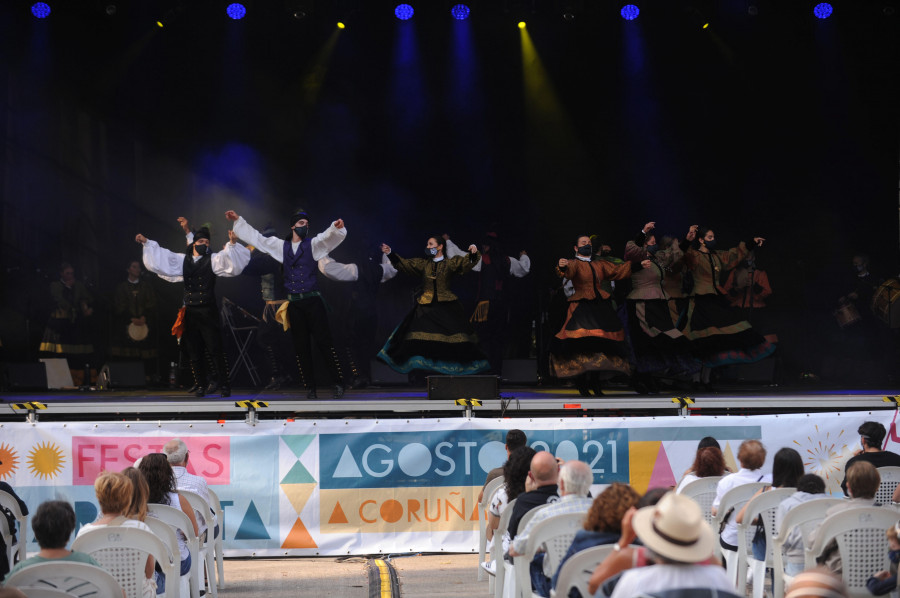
column 30, row 406
column 383, row 581
column 469, row 402
column 248, row 404
column 683, row 401
column 892, row 399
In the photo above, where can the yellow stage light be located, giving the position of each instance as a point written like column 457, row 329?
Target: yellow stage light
column 159, row 24
column 521, row 24
column 705, row 25
column 341, row 25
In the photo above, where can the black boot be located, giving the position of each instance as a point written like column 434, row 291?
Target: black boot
column 338, row 391
column 311, row 394
column 199, row 388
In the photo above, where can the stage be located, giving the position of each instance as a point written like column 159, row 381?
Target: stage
column 399, row 402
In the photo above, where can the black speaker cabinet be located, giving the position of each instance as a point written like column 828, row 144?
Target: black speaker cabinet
column 123, row 374
column 463, row 387
column 520, row 371
column 25, row 376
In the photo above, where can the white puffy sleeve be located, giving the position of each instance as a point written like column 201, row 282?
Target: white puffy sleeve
column 271, row 245
column 327, row 241
column 451, row 249
column 337, row 271
column 519, row 267
column 388, row 271
column 231, row 261
column 166, row 264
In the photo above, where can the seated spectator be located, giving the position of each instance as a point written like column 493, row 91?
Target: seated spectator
column 138, row 508
column 602, row 524
column 817, row 583
column 542, row 475
column 809, row 487
column 862, row 481
column 709, row 462
column 885, row 582
column 177, row 453
column 53, row 524
column 11, row 520
column 515, row 472
column 575, row 479
column 678, row 542
column 114, row 494
column 871, row 439
column 514, row 439
column 751, row 456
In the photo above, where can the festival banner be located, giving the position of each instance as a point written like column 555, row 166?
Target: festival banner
column 338, row 487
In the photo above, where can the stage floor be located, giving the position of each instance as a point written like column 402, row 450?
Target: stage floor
column 406, row 402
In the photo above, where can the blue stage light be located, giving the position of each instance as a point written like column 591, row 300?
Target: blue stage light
column 40, row 9
column 236, row 11
column 823, row 10
column 404, row 12
column 460, row 12
column 630, row 12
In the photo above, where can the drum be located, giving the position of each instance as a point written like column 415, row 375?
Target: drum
column 846, row 315
column 885, row 303
column 138, row 332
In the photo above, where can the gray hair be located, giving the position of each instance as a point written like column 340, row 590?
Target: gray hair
column 577, row 477
column 176, row 451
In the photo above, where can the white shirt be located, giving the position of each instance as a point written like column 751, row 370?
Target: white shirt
column 350, row 272
column 518, row 267
column 655, row 578
column 322, row 244
column 733, row 480
column 498, row 504
column 227, row 263
column 197, row 485
column 793, row 545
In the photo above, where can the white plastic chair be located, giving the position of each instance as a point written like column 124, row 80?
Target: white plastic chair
column 9, row 501
column 166, row 533
column 206, row 548
column 219, row 543
column 703, row 491
column 890, row 479
column 862, row 543
column 36, row 592
column 764, row 507
column 555, row 535
column 486, row 499
column 576, row 572
column 805, row 516
column 179, row 520
column 66, row 578
column 735, row 498
column 123, row 551
column 499, row 569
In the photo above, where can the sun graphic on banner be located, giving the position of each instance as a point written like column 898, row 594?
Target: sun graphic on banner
column 46, row 460
column 824, row 457
column 9, row 461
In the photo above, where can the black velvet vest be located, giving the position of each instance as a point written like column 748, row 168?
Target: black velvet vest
column 199, row 281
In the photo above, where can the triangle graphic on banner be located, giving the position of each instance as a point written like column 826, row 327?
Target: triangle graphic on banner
column 641, row 459
column 347, row 467
column 252, row 527
column 298, row 494
column 730, row 461
column 337, row 515
column 298, row 475
column 662, row 471
column 299, row 537
column 299, row 443
column 474, row 516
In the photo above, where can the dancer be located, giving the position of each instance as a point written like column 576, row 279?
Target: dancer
column 198, row 270
column 68, row 329
column 658, row 346
column 304, row 314
column 718, row 335
column 590, row 347
column 435, row 336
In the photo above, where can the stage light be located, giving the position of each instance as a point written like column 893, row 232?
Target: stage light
column 460, row 12
column 341, row 25
column 236, row 11
column 823, row 10
column 40, row 10
column 704, row 26
column 404, row 12
column 521, row 24
column 630, row 12
column 159, row 24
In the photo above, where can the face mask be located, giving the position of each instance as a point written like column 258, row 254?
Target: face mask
column 431, row 251
column 302, row 231
column 860, row 268
column 750, row 264
column 201, row 249
column 585, row 250
column 711, row 245
column 652, row 248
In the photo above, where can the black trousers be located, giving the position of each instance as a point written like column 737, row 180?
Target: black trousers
column 309, row 323
column 203, row 331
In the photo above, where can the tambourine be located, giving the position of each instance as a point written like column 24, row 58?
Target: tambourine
column 138, row 332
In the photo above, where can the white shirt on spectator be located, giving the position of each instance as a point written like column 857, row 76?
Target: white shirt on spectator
column 498, row 504
column 733, row 480
column 655, row 578
column 194, row 483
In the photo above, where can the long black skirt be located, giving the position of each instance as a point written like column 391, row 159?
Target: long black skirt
column 592, row 339
column 657, row 346
column 718, row 335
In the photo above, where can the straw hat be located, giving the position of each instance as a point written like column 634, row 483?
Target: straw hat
column 675, row 529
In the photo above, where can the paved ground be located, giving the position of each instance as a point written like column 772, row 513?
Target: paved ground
column 432, row 576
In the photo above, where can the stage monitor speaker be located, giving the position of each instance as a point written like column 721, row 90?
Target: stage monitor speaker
column 26, row 376
column 520, row 371
column 463, row 387
column 123, row 374
column 382, row 375
column 58, row 373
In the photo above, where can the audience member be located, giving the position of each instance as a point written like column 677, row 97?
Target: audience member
column 809, row 487
column 543, row 476
column 575, row 479
column 709, row 462
column 817, row 583
column 871, row 439
column 751, row 456
column 177, row 453
column 603, row 523
column 515, row 473
column 885, row 582
column 11, row 520
column 137, row 509
column 514, row 439
column 53, row 524
column 678, row 542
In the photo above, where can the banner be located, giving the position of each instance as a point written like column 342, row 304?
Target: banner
column 338, row 487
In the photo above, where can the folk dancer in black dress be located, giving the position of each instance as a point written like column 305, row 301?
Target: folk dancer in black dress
column 67, row 333
column 134, row 335
column 198, row 269
column 436, row 336
column 304, row 314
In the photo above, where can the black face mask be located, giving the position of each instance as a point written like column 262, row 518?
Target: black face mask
column 586, row 250
column 711, row 245
column 651, row 249
column 431, row 251
column 201, row 249
column 302, row 231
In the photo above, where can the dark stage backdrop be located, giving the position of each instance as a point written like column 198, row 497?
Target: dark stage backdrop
column 777, row 124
